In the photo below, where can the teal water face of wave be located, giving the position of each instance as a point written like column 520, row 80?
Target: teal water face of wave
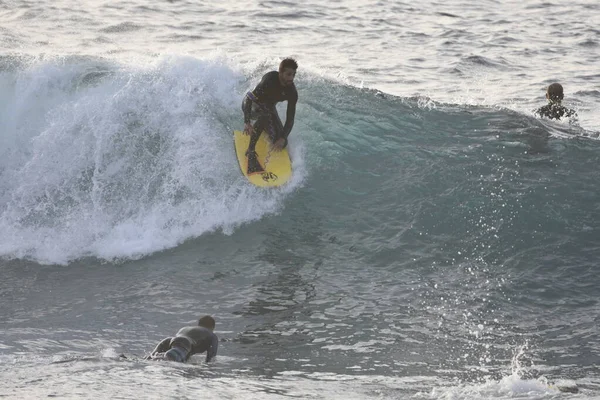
column 463, row 230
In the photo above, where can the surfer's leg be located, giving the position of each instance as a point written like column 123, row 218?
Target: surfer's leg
column 272, row 124
column 276, row 127
column 260, row 114
column 257, row 129
column 253, row 164
column 180, row 347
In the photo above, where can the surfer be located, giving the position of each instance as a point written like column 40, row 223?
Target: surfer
column 554, row 110
column 188, row 341
column 259, row 105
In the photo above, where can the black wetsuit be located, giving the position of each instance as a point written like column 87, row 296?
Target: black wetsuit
column 260, row 105
column 188, row 341
column 555, row 111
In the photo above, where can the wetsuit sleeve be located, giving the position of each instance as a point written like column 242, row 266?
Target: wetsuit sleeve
column 162, row 346
column 255, row 95
column 246, row 107
column 263, row 85
column 212, row 350
column 290, row 115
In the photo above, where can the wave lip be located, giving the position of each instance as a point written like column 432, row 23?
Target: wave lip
column 116, row 162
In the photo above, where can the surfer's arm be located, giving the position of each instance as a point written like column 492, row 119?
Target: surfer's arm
column 212, row 350
column 246, row 107
column 268, row 80
column 255, row 96
column 289, row 116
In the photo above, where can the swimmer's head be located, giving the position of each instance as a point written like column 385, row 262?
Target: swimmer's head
column 555, row 93
column 207, row 322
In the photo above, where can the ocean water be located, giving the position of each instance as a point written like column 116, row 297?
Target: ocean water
column 437, row 240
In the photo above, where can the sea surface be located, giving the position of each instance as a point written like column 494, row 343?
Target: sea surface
column 437, row 239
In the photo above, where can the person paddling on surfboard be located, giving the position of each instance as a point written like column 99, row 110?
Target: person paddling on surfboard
column 188, row 341
column 554, row 110
column 259, row 105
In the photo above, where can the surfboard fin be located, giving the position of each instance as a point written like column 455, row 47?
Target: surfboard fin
column 253, row 164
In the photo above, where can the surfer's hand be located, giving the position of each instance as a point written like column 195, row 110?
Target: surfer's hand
column 248, row 129
column 279, row 144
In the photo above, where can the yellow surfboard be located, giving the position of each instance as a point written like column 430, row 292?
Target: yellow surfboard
column 277, row 166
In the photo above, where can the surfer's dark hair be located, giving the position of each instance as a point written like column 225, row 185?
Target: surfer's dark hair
column 555, row 92
column 207, row 322
column 288, row 63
